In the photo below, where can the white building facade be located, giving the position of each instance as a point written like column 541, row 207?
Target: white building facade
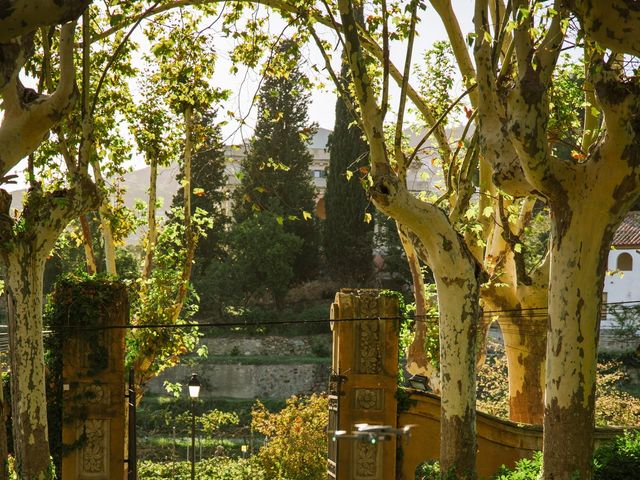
column 622, row 282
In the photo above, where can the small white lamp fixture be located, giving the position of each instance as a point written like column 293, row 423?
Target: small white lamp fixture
column 194, row 386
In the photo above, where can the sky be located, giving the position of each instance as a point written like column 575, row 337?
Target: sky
column 245, row 84
column 321, row 109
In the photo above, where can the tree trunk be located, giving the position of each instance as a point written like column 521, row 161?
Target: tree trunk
column 105, row 226
column 152, row 231
column 87, row 243
column 4, row 449
column 459, row 313
column 457, row 277
column 579, row 252
column 524, row 334
column 525, row 343
column 419, row 361
column 24, row 283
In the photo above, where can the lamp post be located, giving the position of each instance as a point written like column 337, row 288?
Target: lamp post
column 194, row 391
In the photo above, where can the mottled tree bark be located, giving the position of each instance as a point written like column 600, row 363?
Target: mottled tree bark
column 455, row 270
column 29, row 116
column 418, row 360
column 602, row 188
column 614, row 24
column 25, row 269
column 4, row 449
column 578, row 262
column 519, row 300
column 23, row 16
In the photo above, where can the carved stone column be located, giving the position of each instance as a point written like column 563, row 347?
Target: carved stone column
column 93, row 388
column 365, row 355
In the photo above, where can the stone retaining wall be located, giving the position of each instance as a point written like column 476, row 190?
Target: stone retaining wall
column 245, row 381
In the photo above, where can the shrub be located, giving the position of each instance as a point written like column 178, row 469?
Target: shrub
column 493, row 384
column 296, row 446
column 618, row 460
column 219, row 468
column 525, row 469
column 614, row 406
column 429, row 470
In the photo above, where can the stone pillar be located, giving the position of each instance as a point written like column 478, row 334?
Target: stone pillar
column 365, row 360
column 93, row 386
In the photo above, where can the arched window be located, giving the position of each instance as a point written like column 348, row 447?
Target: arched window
column 624, row 262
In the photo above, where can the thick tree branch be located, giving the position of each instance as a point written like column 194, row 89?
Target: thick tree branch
column 615, row 24
column 547, row 53
column 528, row 104
column 521, row 36
column 371, row 113
column 24, row 16
column 397, row 143
column 28, row 116
column 458, row 44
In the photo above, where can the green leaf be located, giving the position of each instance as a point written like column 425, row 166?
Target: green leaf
column 518, row 247
column 487, row 212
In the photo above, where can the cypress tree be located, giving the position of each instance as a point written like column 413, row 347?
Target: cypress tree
column 275, row 175
column 208, row 181
column 348, row 239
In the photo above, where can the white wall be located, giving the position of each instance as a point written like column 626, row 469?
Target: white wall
column 622, row 286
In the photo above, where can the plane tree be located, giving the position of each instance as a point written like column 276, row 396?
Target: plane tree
column 516, row 51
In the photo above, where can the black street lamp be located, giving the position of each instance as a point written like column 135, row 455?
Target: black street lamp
column 194, row 391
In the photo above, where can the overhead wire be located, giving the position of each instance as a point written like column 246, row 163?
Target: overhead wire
column 525, row 319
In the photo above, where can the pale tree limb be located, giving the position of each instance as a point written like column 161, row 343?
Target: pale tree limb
column 105, row 222
column 63, row 146
column 495, row 145
column 458, row 44
column 528, row 106
column 591, row 123
column 615, row 24
column 455, row 271
column 397, row 143
column 28, row 117
column 152, row 229
column 24, row 16
column 418, row 362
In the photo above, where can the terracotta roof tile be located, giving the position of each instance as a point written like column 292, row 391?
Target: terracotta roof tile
column 628, row 233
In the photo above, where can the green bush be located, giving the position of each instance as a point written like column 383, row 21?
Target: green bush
column 290, row 321
column 220, row 468
column 297, row 438
column 156, row 413
column 429, row 470
column 618, row 460
column 525, row 469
